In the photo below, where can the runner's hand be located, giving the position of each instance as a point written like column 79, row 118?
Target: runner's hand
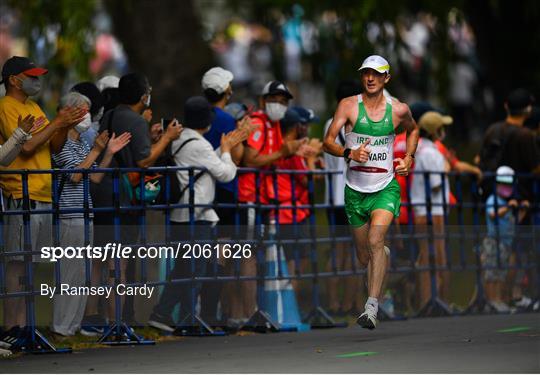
column 403, row 166
column 361, row 154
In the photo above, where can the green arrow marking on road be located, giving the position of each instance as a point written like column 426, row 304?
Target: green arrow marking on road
column 514, row 329
column 356, row 354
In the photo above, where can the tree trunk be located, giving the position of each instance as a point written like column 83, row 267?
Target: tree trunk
column 162, row 39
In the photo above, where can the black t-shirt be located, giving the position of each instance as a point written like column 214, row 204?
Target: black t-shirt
column 124, row 120
column 520, row 150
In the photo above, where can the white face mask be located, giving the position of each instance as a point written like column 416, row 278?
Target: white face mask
column 275, row 111
column 84, row 125
column 147, row 102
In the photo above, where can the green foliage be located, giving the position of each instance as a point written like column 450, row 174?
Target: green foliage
column 69, row 20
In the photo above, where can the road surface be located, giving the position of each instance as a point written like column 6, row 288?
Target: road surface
column 489, row 344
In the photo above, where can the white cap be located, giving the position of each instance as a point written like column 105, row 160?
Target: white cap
column 107, row 82
column 218, row 79
column 377, row 63
column 505, row 175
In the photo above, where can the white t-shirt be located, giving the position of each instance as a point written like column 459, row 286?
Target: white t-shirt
column 429, row 159
column 334, row 163
column 219, row 166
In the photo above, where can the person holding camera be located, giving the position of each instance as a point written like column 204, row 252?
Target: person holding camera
column 196, row 151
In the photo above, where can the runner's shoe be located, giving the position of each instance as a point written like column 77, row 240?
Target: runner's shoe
column 368, row 319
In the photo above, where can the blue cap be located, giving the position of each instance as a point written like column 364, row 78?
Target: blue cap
column 307, row 115
column 291, row 118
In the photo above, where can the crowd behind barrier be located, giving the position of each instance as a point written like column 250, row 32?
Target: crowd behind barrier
column 463, row 235
column 242, row 188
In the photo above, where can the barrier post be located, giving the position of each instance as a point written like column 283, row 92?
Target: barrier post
column 119, row 333
column 260, row 320
column 479, row 304
column 318, row 317
column 32, row 340
column 193, row 324
column 435, row 306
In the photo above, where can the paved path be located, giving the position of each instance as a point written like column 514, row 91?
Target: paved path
column 459, row 344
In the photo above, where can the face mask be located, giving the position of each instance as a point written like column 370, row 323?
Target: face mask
column 30, row 86
column 229, row 95
column 98, row 115
column 275, row 111
column 147, row 101
column 504, row 191
column 84, row 125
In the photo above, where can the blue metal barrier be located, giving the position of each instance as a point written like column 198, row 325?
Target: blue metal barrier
column 120, row 332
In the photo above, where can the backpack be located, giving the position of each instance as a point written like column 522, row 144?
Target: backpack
column 131, row 181
column 175, row 192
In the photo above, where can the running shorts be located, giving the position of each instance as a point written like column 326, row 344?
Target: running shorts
column 359, row 206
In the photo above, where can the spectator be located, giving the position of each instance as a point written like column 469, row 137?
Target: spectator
column 196, row 151
column 265, row 146
column 11, row 148
column 21, row 80
column 352, row 299
column 134, row 95
column 76, row 154
column 294, row 223
column 533, row 123
column 498, row 244
column 430, row 159
column 509, row 143
column 107, row 82
column 216, row 85
column 456, row 165
column 91, row 91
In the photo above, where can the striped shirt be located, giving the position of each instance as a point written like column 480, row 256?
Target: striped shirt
column 72, row 195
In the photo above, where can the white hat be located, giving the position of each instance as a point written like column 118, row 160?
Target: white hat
column 377, row 63
column 218, row 79
column 505, row 175
column 107, row 82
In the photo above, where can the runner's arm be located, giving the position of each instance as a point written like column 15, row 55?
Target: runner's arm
column 339, row 120
column 407, row 122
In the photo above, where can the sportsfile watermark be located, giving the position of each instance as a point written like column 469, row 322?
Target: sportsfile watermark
column 114, row 250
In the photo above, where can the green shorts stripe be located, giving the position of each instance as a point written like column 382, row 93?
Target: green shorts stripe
column 359, row 206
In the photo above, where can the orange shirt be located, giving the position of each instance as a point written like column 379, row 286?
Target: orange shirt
column 285, row 193
column 266, row 139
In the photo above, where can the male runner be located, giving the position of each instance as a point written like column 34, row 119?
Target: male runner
column 372, row 194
